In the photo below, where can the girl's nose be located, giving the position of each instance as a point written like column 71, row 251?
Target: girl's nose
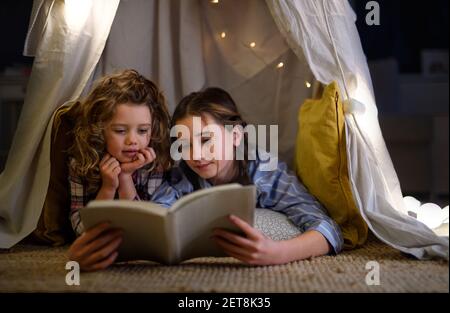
column 131, row 138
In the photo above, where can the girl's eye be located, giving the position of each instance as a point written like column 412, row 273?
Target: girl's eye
column 119, row 131
column 143, row 131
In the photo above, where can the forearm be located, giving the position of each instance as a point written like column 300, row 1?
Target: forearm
column 309, row 244
column 311, row 218
column 105, row 194
column 126, row 190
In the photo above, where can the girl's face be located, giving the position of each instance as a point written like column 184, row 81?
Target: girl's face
column 206, row 154
column 128, row 131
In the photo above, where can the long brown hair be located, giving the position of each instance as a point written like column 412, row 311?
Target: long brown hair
column 94, row 113
column 221, row 106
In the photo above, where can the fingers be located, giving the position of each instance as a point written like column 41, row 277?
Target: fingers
column 110, row 169
column 97, row 253
column 104, row 253
column 235, row 239
column 228, row 247
column 143, row 157
column 99, row 242
column 243, row 256
column 103, row 264
column 117, row 170
column 105, row 158
column 111, row 164
column 251, row 232
column 149, row 154
column 140, row 158
column 237, row 256
column 130, row 167
column 93, row 233
column 137, row 162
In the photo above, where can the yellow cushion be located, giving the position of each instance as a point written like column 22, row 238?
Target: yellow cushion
column 321, row 162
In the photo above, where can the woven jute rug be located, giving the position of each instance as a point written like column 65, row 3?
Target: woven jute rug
column 30, row 268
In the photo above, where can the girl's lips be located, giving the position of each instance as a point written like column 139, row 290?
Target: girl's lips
column 130, row 153
column 202, row 166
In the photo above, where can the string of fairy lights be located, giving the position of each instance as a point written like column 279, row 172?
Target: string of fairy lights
column 252, row 45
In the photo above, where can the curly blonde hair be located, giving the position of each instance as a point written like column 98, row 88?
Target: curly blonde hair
column 95, row 112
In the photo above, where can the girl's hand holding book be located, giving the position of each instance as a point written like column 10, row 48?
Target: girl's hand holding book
column 96, row 248
column 255, row 248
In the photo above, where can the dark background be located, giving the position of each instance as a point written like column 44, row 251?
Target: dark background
column 406, row 29
column 14, row 19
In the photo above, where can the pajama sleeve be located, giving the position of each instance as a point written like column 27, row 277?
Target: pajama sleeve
column 281, row 191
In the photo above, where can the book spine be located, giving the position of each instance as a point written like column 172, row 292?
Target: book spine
column 172, row 239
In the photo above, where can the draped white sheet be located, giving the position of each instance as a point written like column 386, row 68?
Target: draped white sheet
column 162, row 40
column 67, row 39
column 324, row 32
column 177, row 44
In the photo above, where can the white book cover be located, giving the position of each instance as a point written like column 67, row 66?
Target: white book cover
column 171, row 235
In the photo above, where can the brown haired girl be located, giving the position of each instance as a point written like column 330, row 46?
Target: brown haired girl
column 277, row 189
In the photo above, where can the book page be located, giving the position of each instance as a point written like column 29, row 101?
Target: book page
column 201, row 193
column 195, row 217
column 144, row 225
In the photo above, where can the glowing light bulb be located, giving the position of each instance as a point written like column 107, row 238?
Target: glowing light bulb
column 412, row 205
column 280, row 65
column 431, row 215
column 214, row 1
column 223, row 35
column 253, row 44
column 445, row 215
column 308, row 84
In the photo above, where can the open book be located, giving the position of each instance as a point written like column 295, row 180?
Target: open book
column 171, row 235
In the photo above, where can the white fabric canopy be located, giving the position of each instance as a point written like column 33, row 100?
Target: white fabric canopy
column 67, row 40
column 179, row 45
column 324, row 32
column 195, row 56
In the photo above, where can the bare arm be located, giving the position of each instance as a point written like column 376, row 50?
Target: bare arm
column 126, row 190
column 309, row 244
column 105, row 194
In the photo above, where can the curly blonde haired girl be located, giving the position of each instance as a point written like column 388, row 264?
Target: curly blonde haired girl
column 121, row 144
